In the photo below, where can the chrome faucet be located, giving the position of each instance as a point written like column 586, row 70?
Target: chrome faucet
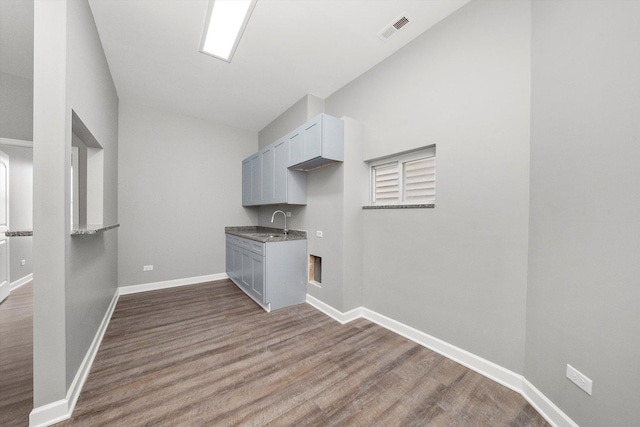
column 285, row 220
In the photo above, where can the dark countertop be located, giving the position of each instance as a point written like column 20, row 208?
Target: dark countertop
column 75, row 230
column 24, row 233
column 91, row 229
column 265, row 234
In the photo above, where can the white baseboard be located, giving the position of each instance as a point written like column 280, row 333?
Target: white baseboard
column 341, row 317
column 545, row 407
column 474, row 362
column 49, row 414
column 62, row 409
column 266, row 307
column 516, row 382
column 16, row 284
column 83, row 372
column 145, row 287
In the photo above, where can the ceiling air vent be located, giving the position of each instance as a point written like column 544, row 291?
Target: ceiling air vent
column 390, row 30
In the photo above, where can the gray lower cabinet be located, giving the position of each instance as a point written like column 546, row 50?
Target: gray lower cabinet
column 273, row 273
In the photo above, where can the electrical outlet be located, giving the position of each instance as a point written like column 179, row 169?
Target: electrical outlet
column 289, row 214
column 578, row 379
column 23, row 262
column 318, row 233
column 147, row 267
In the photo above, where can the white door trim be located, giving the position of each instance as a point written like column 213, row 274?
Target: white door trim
column 16, row 142
column 5, row 278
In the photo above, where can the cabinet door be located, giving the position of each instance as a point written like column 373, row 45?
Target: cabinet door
column 228, row 258
column 246, row 278
column 236, row 271
column 305, row 143
column 281, row 159
column 246, row 182
column 268, row 175
column 256, row 178
column 296, row 147
column 257, row 267
column 313, row 139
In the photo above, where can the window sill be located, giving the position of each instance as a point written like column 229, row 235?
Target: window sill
column 425, row 206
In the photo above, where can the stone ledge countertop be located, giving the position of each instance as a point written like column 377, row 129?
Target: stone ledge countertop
column 24, row 233
column 75, row 231
column 91, row 229
column 265, row 234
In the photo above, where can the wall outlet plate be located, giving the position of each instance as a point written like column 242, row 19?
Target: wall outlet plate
column 318, row 233
column 147, row 267
column 23, row 262
column 579, row 379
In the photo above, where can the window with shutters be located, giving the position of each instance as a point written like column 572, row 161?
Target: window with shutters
column 407, row 178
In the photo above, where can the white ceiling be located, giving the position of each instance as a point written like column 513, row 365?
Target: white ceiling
column 289, row 48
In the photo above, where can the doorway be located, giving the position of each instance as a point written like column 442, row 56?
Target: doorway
column 5, row 282
column 16, row 311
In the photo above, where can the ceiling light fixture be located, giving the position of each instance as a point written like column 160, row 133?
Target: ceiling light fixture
column 225, row 23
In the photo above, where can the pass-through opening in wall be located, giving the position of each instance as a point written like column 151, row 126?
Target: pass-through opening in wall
column 87, row 176
column 315, row 269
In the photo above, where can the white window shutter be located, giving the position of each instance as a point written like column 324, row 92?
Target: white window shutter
column 420, row 181
column 407, row 178
column 386, row 184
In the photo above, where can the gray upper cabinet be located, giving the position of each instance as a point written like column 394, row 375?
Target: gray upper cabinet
column 267, row 181
column 256, row 179
column 246, row 182
column 281, row 174
column 316, row 143
column 276, row 174
column 252, row 180
column 268, row 174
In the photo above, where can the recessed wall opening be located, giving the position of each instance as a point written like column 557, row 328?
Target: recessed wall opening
column 87, row 176
column 315, row 269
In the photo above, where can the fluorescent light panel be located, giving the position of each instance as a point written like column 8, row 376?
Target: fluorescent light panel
column 226, row 21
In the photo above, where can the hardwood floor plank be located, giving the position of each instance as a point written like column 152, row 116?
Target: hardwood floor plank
column 207, row 355
column 16, row 357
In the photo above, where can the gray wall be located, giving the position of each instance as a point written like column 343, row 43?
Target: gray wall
column 92, row 261
column 21, row 209
column 16, row 107
column 180, row 185
column 334, row 206
column 307, row 107
column 457, row 272
column 74, row 278
column 582, row 301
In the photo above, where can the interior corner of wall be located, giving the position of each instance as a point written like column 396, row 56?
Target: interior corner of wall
column 315, row 106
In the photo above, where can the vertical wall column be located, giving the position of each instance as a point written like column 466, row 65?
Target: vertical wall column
column 355, row 196
column 51, row 160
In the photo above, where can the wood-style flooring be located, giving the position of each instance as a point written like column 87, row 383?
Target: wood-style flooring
column 206, row 355
column 16, row 357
